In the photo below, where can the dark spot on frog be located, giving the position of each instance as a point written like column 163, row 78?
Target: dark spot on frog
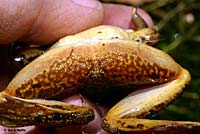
column 99, row 32
column 57, row 116
column 131, row 127
column 140, row 126
column 72, row 116
column 154, row 76
column 89, row 118
column 28, row 93
column 115, row 37
column 46, row 92
column 103, row 44
column 38, row 118
column 18, row 93
column 36, row 86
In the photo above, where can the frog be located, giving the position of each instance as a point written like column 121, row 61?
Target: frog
column 104, row 59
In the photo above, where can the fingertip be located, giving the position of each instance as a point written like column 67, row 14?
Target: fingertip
column 120, row 15
column 145, row 17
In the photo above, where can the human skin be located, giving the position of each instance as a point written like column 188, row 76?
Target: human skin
column 44, row 22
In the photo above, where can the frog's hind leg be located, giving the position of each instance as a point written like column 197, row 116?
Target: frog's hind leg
column 126, row 116
column 15, row 112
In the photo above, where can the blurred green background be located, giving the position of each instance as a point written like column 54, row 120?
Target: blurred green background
column 179, row 26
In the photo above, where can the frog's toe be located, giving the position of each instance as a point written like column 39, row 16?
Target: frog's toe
column 16, row 111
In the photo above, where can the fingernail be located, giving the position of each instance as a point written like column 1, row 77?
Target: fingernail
column 88, row 3
column 145, row 17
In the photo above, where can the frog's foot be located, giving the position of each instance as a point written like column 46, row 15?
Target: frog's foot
column 126, row 115
column 145, row 126
column 15, row 112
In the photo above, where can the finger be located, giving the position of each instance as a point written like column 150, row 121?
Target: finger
column 46, row 21
column 120, row 15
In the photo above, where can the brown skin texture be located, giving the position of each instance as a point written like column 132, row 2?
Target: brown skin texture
column 44, row 22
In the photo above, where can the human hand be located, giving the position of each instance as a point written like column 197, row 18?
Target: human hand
column 44, row 22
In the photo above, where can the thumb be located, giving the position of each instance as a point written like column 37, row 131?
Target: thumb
column 46, row 21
